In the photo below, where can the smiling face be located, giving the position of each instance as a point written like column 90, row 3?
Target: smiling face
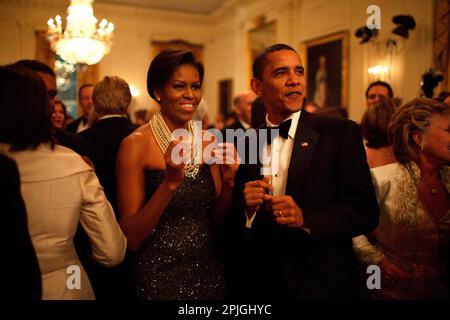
column 436, row 140
column 58, row 116
column 180, row 96
column 282, row 85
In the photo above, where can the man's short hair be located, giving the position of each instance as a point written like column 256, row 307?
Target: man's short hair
column 261, row 60
column 111, row 96
column 86, row 85
column 383, row 84
column 36, row 66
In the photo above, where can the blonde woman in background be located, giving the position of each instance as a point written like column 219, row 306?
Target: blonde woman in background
column 413, row 195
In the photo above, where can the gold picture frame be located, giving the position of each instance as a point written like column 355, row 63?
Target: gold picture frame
column 262, row 35
column 326, row 69
column 224, row 87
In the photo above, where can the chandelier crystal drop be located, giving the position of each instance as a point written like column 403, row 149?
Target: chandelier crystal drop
column 81, row 42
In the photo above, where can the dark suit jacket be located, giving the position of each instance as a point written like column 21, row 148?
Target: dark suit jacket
column 71, row 141
column 21, row 276
column 235, row 126
column 330, row 181
column 103, row 142
column 258, row 116
column 73, row 126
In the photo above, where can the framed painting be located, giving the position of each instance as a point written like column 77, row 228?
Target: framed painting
column 262, row 35
column 326, row 67
column 225, row 87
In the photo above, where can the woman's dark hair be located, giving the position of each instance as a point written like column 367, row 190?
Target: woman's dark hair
column 25, row 122
column 375, row 122
column 165, row 64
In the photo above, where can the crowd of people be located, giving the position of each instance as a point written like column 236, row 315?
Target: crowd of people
column 105, row 209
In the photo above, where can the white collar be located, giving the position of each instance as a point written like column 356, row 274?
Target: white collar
column 112, row 116
column 44, row 163
column 244, row 124
column 294, row 117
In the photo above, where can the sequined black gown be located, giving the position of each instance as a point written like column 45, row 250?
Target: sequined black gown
column 179, row 260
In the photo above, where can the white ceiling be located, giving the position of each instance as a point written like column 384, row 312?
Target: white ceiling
column 190, row 6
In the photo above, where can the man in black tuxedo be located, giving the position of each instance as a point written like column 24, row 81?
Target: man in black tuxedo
column 243, row 107
column 86, row 103
column 242, row 104
column 294, row 217
column 111, row 100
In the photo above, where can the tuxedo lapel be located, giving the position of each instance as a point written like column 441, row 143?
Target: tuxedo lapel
column 305, row 143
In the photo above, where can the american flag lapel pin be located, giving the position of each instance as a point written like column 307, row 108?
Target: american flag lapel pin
column 304, row 145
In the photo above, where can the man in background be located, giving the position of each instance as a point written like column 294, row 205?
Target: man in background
column 243, row 109
column 111, row 98
column 86, row 103
column 376, row 90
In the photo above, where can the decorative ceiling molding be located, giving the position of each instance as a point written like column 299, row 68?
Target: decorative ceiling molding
column 203, row 7
column 110, row 10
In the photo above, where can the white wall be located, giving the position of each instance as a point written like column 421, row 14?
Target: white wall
column 224, row 35
column 302, row 20
column 130, row 54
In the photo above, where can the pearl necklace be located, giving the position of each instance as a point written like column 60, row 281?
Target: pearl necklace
column 163, row 137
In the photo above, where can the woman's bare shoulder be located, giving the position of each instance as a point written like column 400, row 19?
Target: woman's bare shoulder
column 137, row 142
column 140, row 136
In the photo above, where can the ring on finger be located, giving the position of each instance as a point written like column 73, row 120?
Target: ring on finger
column 280, row 214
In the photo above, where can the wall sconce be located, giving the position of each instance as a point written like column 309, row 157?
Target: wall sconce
column 385, row 51
column 134, row 91
column 378, row 70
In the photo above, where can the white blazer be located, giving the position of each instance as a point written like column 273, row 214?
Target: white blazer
column 59, row 190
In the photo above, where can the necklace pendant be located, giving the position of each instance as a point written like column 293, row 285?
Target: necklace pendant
column 433, row 191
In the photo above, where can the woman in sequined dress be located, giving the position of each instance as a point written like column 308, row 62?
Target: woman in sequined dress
column 169, row 210
column 413, row 234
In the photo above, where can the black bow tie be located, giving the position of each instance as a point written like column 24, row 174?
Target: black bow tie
column 283, row 131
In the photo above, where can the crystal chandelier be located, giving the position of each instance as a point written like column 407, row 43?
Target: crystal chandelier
column 81, row 42
column 63, row 71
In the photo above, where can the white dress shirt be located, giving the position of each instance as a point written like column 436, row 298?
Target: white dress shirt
column 112, row 116
column 244, row 124
column 276, row 159
column 82, row 126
